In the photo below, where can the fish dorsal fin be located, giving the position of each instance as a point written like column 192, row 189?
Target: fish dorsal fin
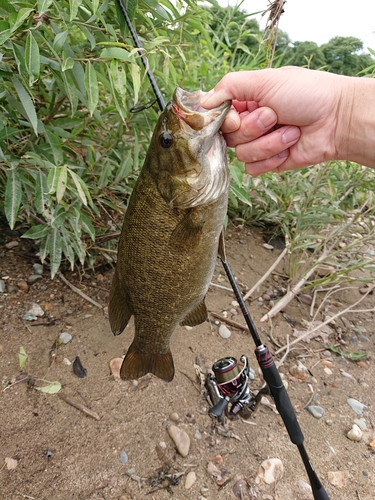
column 221, row 249
column 118, row 310
column 186, row 234
column 137, row 363
column 197, row 316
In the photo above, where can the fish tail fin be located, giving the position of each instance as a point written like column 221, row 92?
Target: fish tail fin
column 137, row 363
column 118, row 309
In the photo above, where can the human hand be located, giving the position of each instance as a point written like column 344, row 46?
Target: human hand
column 282, row 119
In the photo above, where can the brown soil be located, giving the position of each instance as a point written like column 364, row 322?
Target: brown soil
column 62, row 454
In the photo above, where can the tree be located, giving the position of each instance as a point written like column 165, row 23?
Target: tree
column 305, row 54
column 342, row 55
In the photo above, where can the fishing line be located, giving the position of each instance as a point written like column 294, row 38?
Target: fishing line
column 270, row 372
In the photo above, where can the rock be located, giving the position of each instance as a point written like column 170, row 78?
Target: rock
column 174, row 417
column 214, row 471
column 38, row 269
column 11, row 463
column 356, row 405
column 33, row 278
column 198, row 435
column 224, row 332
column 190, row 480
column 12, row 244
column 305, row 299
column 115, row 367
column 33, row 313
column 361, row 422
column 180, row 439
column 23, row 286
column 65, row 338
column 363, row 365
column 78, row 368
column 124, row 459
column 300, row 371
column 337, row 479
column 315, row 411
column 270, row 471
column 355, row 433
column 327, row 371
column 239, row 488
column 2, row 286
column 305, row 489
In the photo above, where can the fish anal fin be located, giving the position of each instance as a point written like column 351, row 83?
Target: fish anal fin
column 137, row 363
column 186, row 234
column 118, row 310
column 197, row 316
column 221, row 249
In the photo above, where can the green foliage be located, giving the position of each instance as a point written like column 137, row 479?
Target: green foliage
column 342, row 55
column 71, row 149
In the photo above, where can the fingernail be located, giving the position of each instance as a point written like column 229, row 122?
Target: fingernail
column 290, row 135
column 267, row 118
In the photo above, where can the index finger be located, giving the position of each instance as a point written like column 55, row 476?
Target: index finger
column 238, row 86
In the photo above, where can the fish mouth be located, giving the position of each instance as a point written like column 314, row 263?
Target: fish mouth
column 187, row 105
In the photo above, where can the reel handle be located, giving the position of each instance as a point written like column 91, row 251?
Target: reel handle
column 217, row 410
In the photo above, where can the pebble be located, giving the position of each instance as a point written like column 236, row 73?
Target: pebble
column 239, row 488
column 2, row 286
column 355, row 433
column 38, row 268
column 315, row 411
column 11, row 463
column 66, row 361
column 190, row 480
column 214, row 471
column 33, row 313
column 33, row 278
column 124, row 459
column 336, row 478
column 198, row 435
column 305, row 299
column 304, row 488
column 224, row 332
column 12, row 244
column 174, row 417
column 361, row 422
column 356, row 406
column 300, row 371
column 115, row 367
column 23, row 286
column 11, row 288
column 270, row 471
column 65, row 338
column 78, row 368
column 180, row 439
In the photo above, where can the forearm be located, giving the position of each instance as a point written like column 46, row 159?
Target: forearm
column 356, row 122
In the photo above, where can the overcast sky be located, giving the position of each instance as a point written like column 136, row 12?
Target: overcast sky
column 320, row 20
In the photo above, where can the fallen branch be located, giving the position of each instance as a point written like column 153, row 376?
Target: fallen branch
column 265, row 276
column 230, row 322
column 80, row 407
column 77, row 290
column 283, row 302
column 329, row 320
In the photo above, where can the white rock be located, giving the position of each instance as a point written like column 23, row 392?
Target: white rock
column 270, row 471
column 11, row 463
column 355, row 433
column 305, row 489
column 356, row 406
column 180, row 439
column 190, row 480
column 336, row 478
column 224, row 332
column 115, row 366
column 65, row 337
column 214, row 471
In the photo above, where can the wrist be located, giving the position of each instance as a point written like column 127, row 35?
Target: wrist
column 355, row 131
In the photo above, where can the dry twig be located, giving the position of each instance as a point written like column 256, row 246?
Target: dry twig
column 82, row 408
column 77, row 290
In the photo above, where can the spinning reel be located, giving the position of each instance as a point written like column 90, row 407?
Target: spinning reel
column 230, row 384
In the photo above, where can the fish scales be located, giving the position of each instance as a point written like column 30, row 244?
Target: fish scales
column 170, row 236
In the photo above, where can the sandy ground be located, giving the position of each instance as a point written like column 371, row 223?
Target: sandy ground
column 62, row 454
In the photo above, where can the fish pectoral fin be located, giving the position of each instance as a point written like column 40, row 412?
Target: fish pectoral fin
column 197, row 316
column 186, row 234
column 137, row 363
column 221, row 250
column 118, row 310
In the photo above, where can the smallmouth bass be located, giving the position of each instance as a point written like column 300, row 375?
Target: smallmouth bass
column 172, row 233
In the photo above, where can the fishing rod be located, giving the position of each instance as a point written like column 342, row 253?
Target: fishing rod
column 270, row 372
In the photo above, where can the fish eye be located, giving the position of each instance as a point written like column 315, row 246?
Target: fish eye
column 166, row 140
